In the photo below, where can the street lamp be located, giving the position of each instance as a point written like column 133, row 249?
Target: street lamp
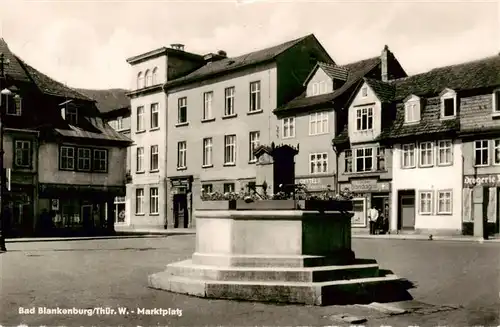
column 5, row 92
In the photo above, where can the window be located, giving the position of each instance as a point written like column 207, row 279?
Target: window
column 448, row 104
column 181, row 154
column 229, row 101
column 496, row 101
column 155, row 119
column 154, row 76
column 444, row 201
column 425, row 203
column 408, row 156
column 348, row 161
column 496, row 152
column 154, row 160
column 207, row 188
column 23, row 153
column 72, row 115
column 140, row 80
column 426, row 154
column 119, row 123
column 83, row 156
column 288, row 127
column 140, row 159
column 254, row 96
column 139, row 201
column 16, row 108
column 315, row 88
column 364, row 119
column 445, row 152
column 322, row 87
column 380, row 159
column 182, row 111
column 100, row 160
column 230, row 149
column 364, row 159
column 140, row 119
column 228, row 187
column 153, row 201
column 147, row 78
column 412, row 111
column 67, row 159
column 318, row 123
column 207, row 105
column 207, row 152
column 481, row 153
column 364, row 91
column 254, row 138
column 318, row 163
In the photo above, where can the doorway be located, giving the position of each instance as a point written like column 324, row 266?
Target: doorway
column 181, row 214
column 406, row 210
column 86, row 217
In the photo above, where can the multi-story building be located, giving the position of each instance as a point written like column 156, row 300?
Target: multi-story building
column 114, row 106
column 62, row 152
column 147, row 193
column 443, row 140
column 478, row 86
column 221, row 112
column 324, row 112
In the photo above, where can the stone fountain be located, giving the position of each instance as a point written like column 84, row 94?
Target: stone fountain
column 284, row 253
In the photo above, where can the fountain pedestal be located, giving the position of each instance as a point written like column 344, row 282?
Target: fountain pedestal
column 291, row 256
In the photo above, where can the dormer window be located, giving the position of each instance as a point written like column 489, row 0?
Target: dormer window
column 71, row 115
column 448, row 104
column 412, row 109
column 15, row 109
column 496, row 102
column 315, row 88
column 322, row 87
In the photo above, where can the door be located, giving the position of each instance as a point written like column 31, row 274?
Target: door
column 86, row 217
column 407, row 211
column 181, row 215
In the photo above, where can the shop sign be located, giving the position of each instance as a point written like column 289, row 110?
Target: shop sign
column 482, row 180
column 316, row 184
column 369, row 185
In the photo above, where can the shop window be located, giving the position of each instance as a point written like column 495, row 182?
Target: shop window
column 229, row 187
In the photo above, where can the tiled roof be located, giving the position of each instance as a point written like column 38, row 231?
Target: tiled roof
column 18, row 70
column 334, row 72
column 108, row 100
column 230, row 64
column 466, row 76
column 384, row 90
column 356, row 71
column 103, row 131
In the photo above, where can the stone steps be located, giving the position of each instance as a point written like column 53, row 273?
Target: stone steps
column 358, row 290
column 282, row 274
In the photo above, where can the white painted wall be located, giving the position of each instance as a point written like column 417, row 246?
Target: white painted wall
column 433, row 178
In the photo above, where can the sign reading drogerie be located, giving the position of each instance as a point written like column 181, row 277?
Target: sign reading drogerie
column 483, row 180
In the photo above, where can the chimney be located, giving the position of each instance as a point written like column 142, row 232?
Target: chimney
column 211, row 57
column 177, row 46
column 384, row 66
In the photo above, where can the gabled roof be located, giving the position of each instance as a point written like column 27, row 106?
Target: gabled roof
column 356, row 71
column 482, row 73
column 334, row 72
column 108, row 100
column 230, row 64
column 18, row 70
column 383, row 90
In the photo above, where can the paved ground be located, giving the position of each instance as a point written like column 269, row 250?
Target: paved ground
column 458, row 284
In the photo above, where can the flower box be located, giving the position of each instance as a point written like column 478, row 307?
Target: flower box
column 217, row 205
column 328, row 205
column 266, row 205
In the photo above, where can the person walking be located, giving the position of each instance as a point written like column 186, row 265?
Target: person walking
column 373, row 216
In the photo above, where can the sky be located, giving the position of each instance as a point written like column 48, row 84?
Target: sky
column 85, row 44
